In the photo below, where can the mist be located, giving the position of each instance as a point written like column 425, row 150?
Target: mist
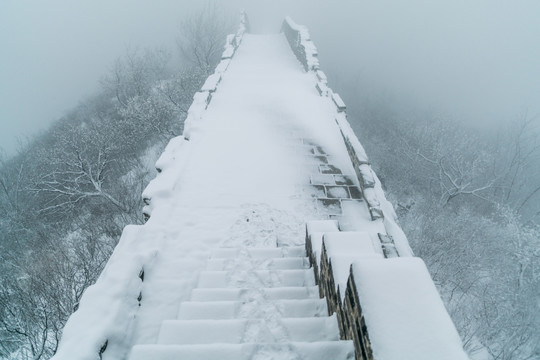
column 55, row 52
column 474, row 62
column 443, row 97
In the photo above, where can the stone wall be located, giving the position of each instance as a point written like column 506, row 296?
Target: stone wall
column 402, row 298
column 306, row 52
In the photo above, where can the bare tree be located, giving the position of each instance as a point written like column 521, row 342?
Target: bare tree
column 136, row 73
column 202, row 36
column 37, row 297
column 79, row 168
column 448, row 160
column 180, row 88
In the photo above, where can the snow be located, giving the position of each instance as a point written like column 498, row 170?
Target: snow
column 196, row 111
column 337, row 192
column 358, row 219
column 267, row 278
column 344, row 248
column 230, row 41
column 219, row 310
column 170, row 154
column 266, row 264
column 321, row 76
column 222, row 66
column 248, row 330
column 275, row 293
column 228, row 52
column 358, row 243
column 170, row 166
column 231, row 187
column 250, row 351
column 403, row 311
column 106, row 305
column 368, row 177
column 322, row 179
column 339, row 102
column 391, row 222
column 322, row 89
column 374, row 197
column 243, row 28
column 230, row 47
column 321, row 226
column 371, row 197
column 212, row 82
column 255, row 253
column 315, row 230
column 349, row 135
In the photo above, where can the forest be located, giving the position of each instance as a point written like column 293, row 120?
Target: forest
column 467, row 198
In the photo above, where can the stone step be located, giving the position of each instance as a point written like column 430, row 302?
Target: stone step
column 246, row 295
column 256, row 279
column 237, row 331
column 322, row 350
column 280, row 263
column 194, row 310
column 258, row 252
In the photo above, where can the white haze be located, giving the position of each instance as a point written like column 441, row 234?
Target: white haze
column 474, row 61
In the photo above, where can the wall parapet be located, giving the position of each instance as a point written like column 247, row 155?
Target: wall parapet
column 343, row 262
column 301, row 44
column 379, row 207
column 387, row 305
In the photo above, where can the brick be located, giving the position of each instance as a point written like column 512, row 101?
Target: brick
column 329, row 169
column 337, row 192
column 355, row 192
column 322, row 159
column 330, row 206
column 343, row 180
column 317, row 150
column 322, row 179
column 388, row 246
column 316, row 191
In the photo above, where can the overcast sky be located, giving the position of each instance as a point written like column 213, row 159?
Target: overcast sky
column 478, row 60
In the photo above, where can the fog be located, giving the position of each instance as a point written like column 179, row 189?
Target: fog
column 424, row 81
column 472, row 61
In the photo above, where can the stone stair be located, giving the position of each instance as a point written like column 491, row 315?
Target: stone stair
column 251, row 303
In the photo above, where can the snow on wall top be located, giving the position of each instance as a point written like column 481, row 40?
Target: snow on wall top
column 344, row 248
column 202, row 99
column 403, row 311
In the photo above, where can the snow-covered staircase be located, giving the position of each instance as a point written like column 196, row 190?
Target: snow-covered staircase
column 252, row 303
column 222, row 270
